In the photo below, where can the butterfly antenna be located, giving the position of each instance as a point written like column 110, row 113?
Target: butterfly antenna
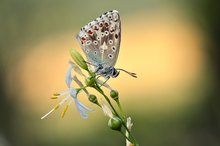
column 130, row 73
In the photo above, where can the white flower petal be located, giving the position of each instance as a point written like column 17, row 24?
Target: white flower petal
column 73, row 92
column 81, row 109
column 76, row 68
column 106, row 110
column 80, row 84
column 69, row 76
column 85, row 107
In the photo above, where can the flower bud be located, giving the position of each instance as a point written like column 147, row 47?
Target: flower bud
column 93, row 99
column 78, row 59
column 90, row 81
column 114, row 94
column 115, row 123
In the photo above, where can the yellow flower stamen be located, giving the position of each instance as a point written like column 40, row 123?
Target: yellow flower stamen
column 64, row 111
column 56, row 94
column 56, row 107
column 53, row 97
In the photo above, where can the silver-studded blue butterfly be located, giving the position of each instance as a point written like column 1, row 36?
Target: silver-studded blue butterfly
column 100, row 40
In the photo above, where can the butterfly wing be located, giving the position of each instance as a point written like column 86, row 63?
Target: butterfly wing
column 100, row 39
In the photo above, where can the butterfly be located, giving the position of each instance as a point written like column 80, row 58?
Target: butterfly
column 100, row 40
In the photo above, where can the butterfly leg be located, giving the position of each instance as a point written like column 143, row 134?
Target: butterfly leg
column 104, row 81
column 98, row 76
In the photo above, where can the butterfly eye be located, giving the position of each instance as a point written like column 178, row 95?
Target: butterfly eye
column 95, row 52
column 110, row 42
column 110, row 56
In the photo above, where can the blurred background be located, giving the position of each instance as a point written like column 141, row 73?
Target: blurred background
column 173, row 46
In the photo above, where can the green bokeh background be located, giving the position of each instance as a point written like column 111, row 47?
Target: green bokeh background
column 25, row 23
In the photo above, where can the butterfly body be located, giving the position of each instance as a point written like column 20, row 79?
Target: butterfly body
column 106, row 72
column 100, row 40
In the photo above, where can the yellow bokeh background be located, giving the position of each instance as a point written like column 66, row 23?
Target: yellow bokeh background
column 162, row 43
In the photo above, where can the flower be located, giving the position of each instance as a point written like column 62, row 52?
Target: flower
column 69, row 76
column 71, row 92
column 55, row 96
column 80, row 84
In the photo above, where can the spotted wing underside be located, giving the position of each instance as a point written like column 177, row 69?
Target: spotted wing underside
column 100, row 39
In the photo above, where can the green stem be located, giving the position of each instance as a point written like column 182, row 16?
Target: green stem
column 84, row 87
column 130, row 134
column 106, row 98
column 126, row 137
column 123, row 122
column 121, row 110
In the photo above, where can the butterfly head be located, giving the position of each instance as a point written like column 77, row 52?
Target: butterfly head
column 115, row 73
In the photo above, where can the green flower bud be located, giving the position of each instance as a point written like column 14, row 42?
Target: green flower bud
column 115, row 123
column 114, row 94
column 78, row 59
column 90, row 81
column 93, row 99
